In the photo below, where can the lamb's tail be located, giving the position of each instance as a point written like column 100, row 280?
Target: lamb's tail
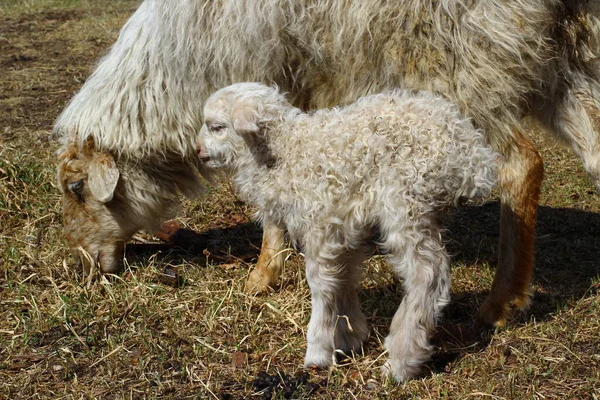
column 481, row 176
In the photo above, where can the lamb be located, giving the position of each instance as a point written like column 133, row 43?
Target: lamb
column 498, row 61
column 393, row 162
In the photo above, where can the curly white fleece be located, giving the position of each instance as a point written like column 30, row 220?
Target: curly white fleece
column 391, row 161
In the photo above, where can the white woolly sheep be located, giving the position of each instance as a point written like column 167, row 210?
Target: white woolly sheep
column 496, row 60
column 391, row 162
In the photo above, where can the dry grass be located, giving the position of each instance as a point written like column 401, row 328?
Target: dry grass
column 137, row 336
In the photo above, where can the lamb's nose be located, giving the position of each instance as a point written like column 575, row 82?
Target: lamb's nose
column 202, row 153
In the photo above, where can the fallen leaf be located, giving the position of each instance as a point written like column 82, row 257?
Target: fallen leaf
column 170, row 276
column 239, row 359
column 168, row 230
column 229, row 266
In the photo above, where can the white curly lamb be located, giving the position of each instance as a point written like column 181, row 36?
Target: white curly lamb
column 391, row 162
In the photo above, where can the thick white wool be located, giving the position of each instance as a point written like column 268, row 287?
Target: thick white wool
column 487, row 57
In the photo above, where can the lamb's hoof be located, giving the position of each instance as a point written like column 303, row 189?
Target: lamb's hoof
column 318, row 358
column 352, row 342
column 258, row 282
column 399, row 371
column 352, row 346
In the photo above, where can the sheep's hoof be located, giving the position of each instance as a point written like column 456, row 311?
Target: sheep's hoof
column 258, row 282
column 496, row 313
column 493, row 313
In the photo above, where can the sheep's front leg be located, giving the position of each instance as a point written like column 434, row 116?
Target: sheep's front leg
column 422, row 262
column 336, row 321
column 270, row 261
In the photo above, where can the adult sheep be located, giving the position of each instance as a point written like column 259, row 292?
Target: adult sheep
column 127, row 136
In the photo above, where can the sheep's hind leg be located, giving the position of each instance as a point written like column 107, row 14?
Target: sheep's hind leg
column 521, row 177
column 575, row 118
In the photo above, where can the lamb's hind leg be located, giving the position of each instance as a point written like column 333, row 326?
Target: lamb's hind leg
column 351, row 324
column 520, row 179
column 270, row 261
column 418, row 256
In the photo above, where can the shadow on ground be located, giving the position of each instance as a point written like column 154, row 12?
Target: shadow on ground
column 567, row 250
column 567, row 259
column 567, row 254
column 219, row 245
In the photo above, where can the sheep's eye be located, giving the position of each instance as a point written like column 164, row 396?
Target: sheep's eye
column 216, row 127
column 77, row 188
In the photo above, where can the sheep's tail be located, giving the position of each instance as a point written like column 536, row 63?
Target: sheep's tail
column 579, row 32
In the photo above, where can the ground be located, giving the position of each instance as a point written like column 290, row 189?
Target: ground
column 176, row 323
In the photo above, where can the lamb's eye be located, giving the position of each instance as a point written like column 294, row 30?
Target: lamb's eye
column 216, row 127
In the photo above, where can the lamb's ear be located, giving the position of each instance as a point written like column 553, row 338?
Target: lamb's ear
column 103, row 176
column 245, row 118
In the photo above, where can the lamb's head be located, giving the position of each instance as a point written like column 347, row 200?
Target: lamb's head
column 234, row 121
column 94, row 216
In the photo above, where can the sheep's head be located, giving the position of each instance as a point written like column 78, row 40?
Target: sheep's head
column 92, row 218
column 234, row 118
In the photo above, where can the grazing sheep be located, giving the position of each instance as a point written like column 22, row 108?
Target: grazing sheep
column 497, row 60
column 119, row 197
column 392, row 162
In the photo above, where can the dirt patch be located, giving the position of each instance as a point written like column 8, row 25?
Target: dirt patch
column 43, row 69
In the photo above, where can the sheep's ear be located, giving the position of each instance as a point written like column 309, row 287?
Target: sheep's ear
column 103, row 177
column 88, row 146
column 65, row 156
column 245, row 118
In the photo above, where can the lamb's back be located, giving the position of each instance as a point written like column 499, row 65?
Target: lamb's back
column 416, row 140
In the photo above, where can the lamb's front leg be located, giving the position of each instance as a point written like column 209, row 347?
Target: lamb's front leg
column 336, row 321
column 270, row 261
column 422, row 262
